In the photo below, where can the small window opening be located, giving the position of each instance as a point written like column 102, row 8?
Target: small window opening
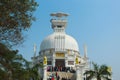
column 59, row 26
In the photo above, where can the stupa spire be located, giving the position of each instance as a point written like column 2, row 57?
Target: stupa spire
column 85, row 51
column 59, row 21
column 34, row 49
column 59, row 14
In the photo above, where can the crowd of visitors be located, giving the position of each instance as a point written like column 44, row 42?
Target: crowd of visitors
column 61, row 69
column 55, row 76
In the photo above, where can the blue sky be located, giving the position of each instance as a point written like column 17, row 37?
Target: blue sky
column 95, row 23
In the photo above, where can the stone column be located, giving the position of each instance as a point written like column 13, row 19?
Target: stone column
column 53, row 62
column 82, row 67
column 66, row 59
column 53, row 59
column 78, row 73
column 66, row 62
column 45, row 72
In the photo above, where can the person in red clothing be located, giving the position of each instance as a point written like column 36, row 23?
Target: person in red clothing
column 52, row 78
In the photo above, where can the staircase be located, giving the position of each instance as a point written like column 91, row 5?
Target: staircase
column 66, row 75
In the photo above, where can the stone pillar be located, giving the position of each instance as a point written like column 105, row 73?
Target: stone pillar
column 53, row 59
column 45, row 72
column 66, row 59
column 82, row 67
column 78, row 73
column 66, row 62
column 53, row 62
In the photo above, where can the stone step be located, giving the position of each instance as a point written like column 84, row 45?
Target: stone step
column 66, row 75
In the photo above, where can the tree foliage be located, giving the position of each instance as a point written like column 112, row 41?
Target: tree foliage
column 15, row 17
column 98, row 72
column 11, row 63
column 14, row 67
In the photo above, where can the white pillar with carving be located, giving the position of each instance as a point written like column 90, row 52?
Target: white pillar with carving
column 78, row 76
column 53, row 62
column 45, row 68
column 66, row 62
column 45, row 72
column 66, row 59
column 53, row 59
column 82, row 71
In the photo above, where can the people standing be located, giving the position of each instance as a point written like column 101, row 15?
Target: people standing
column 52, row 78
column 58, row 77
column 56, row 74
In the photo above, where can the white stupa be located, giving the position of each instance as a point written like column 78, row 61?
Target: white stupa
column 60, row 48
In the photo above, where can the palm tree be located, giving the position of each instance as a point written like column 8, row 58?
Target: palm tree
column 98, row 72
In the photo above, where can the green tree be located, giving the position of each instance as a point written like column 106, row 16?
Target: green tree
column 34, row 72
column 16, row 16
column 14, row 67
column 98, row 72
column 11, row 63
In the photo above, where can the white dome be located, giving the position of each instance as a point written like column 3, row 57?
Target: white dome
column 59, row 41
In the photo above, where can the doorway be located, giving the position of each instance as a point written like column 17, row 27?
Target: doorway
column 60, row 62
